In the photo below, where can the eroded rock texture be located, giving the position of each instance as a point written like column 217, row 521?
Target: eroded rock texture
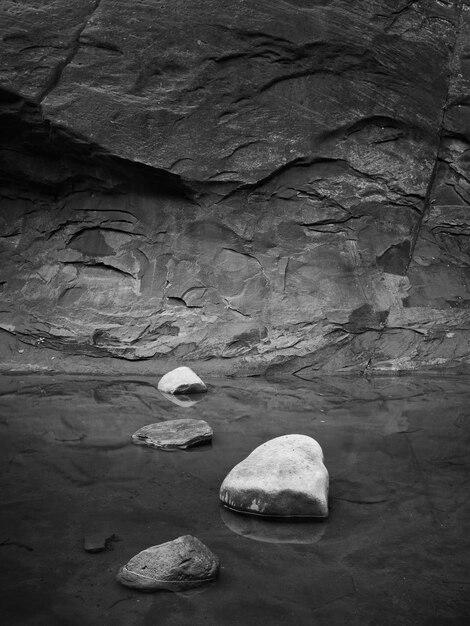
column 282, row 184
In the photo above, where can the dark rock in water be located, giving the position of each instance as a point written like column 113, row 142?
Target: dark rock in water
column 284, row 477
column 98, row 542
column 181, row 380
column 183, row 433
column 271, row 530
column 280, row 186
column 177, row 565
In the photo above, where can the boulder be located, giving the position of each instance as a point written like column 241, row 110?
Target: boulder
column 175, row 565
column 182, row 433
column 181, row 380
column 284, row 477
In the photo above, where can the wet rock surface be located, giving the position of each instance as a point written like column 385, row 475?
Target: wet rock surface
column 177, row 565
column 278, row 186
column 174, row 434
column 284, row 477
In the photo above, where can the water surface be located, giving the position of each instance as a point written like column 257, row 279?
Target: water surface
column 394, row 550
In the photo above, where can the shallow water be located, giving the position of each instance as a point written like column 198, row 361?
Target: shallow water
column 394, row 550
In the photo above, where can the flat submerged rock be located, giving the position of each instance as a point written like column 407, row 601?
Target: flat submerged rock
column 174, row 434
column 284, row 477
column 176, row 565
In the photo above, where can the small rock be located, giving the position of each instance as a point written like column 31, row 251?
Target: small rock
column 98, row 542
column 284, row 477
column 177, row 565
column 173, row 434
column 181, row 380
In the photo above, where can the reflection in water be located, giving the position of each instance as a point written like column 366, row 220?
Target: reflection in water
column 182, row 399
column 396, row 451
column 273, row 530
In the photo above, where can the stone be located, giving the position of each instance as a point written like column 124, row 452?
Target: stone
column 173, row 434
column 98, row 542
column 181, row 380
column 284, row 477
column 176, row 565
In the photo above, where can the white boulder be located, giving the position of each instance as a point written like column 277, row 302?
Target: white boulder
column 181, row 380
column 284, row 477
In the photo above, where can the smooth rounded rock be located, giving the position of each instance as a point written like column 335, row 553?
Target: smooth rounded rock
column 284, row 477
column 176, row 565
column 181, row 380
column 182, row 433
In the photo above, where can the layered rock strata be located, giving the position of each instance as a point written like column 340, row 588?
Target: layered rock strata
column 281, row 186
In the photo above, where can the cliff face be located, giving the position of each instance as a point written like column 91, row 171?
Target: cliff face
column 282, row 185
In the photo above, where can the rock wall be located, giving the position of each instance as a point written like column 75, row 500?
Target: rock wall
column 278, row 187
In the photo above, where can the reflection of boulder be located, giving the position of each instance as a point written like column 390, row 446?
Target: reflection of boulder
column 284, row 477
column 182, row 400
column 273, row 530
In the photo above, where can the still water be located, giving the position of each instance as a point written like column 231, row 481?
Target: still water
column 394, row 551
